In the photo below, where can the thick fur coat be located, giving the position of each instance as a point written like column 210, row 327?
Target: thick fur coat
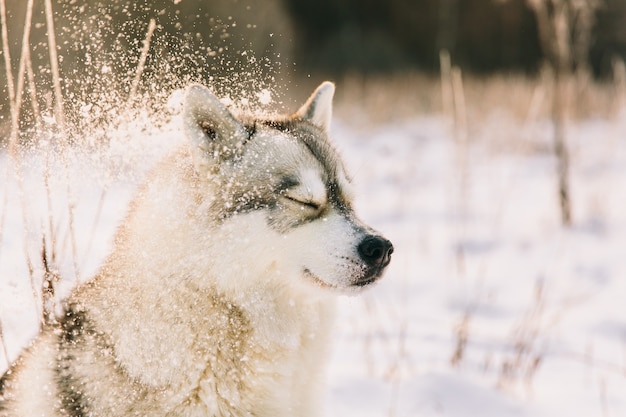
column 217, row 299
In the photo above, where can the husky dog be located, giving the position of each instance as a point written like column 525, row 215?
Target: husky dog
column 217, row 299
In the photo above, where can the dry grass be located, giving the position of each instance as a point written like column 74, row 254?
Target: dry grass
column 518, row 96
column 57, row 133
column 387, row 98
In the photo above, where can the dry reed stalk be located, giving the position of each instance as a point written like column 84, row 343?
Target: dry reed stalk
column 50, row 279
column 447, row 99
column 46, row 173
column 460, row 108
column 32, row 89
column 60, row 120
column 46, row 181
column 142, row 59
column 10, row 88
column 462, row 167
column 14, row 161
column 12, row 100
column 462, row 337
column 24, row 58
column 564, row 29
column 526, row 356
column 453, row 106
column 7, row 54
column 534, row 108
column 619, row 79
column 54, row 66
column 15, row 100
column 5, row 351
column 559, row 118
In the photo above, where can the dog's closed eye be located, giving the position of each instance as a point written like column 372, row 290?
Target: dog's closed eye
column 305, row 203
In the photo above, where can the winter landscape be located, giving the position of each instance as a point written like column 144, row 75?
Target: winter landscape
column 490, row 307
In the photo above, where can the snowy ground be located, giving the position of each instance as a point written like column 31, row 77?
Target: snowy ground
column 490, row 306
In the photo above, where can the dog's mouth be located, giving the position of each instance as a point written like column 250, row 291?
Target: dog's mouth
column 371, row 277
column 366, row 280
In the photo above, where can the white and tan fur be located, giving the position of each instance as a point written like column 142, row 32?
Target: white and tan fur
column 217, row 299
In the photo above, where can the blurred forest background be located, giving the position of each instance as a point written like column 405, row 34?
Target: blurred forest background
column 99, row 43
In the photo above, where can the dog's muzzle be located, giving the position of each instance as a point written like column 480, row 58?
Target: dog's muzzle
column 375, row 251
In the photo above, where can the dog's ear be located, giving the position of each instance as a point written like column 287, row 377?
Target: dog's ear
column 318, row 109
column 215, row 134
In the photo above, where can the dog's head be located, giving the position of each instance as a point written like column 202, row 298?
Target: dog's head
column 280, row 198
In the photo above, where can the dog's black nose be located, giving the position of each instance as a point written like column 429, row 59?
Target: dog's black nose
column 375, row 250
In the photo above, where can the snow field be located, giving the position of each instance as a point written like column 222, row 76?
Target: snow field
column 490, row 307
